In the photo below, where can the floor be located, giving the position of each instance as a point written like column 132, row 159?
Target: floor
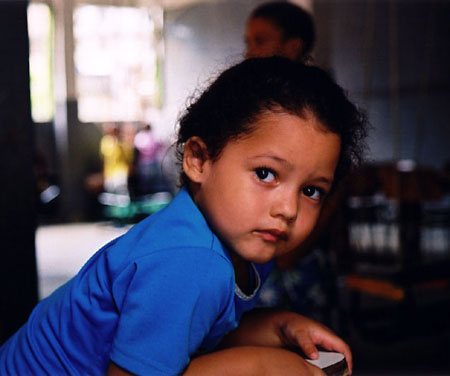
column 63, row 249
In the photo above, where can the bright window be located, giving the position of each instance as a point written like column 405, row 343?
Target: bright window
column 40, row 30
column 117, row 64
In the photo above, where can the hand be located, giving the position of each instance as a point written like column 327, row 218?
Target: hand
column 297, row 330
column 273, row 328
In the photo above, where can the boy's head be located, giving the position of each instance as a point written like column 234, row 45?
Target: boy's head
column 279, row 28
column 228, row 108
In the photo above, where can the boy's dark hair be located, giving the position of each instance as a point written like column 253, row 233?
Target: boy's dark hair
column 295, row 22
column 241, row 94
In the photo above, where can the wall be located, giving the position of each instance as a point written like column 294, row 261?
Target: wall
column 201, row 40
column 393, row 58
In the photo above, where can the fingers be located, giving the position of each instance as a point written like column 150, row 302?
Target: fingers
column 329, row 341
column 308, row 334
column 307, row 345
column 297, row 332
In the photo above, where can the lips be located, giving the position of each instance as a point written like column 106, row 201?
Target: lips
column 272, row 235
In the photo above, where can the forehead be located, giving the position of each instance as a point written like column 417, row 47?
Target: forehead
column 278, row 122
column 289, row 137
column 262, row 26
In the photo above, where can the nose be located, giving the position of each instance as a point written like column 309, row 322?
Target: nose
column 286, row 205
column 252, row 49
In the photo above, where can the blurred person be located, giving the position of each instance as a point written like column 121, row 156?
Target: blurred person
column 145, row 175
column 117, row 157
column 280, row 28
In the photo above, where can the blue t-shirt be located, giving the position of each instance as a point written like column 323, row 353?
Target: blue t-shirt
column 148, row 301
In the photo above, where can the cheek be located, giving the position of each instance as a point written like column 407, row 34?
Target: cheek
column 224, row 211
column 306, row 224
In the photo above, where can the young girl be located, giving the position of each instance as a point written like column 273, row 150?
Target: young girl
column 260, row 149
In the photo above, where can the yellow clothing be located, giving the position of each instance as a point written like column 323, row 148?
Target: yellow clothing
column 116, row 162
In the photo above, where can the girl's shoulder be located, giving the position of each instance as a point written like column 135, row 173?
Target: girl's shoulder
column 179, row 224
column 177, row 232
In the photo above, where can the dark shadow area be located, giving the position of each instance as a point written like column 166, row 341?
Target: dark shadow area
column 18, row 279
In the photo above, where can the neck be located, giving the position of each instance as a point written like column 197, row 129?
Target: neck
column 242, row 273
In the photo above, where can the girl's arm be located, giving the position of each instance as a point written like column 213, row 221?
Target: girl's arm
column 256, row 347
column 251, row 361
column 274, row 328
column 242, row 361
column 115, row 370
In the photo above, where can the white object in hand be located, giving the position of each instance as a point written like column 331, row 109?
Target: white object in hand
column 326, row 359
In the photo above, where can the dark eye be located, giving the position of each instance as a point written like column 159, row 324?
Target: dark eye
column 313, row 192
column 265, row 174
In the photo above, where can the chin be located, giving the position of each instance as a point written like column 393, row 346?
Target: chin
column 261, row 259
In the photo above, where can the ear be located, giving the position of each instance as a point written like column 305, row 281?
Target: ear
column 195, row 157
column 293, row 48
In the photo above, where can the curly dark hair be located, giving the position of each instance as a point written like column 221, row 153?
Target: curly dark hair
column 294, row 22
column 228, row 108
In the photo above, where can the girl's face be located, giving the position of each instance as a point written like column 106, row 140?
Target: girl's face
column 263, row 195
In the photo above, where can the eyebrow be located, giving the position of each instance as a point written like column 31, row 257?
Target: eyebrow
column 275, row 158
column 323, row 179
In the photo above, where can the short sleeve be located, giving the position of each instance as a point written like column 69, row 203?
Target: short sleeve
column 168, row 302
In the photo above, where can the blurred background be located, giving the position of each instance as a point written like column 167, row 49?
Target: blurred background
column 90, row 91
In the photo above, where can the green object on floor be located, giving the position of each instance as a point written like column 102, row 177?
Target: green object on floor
column 133, row 211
